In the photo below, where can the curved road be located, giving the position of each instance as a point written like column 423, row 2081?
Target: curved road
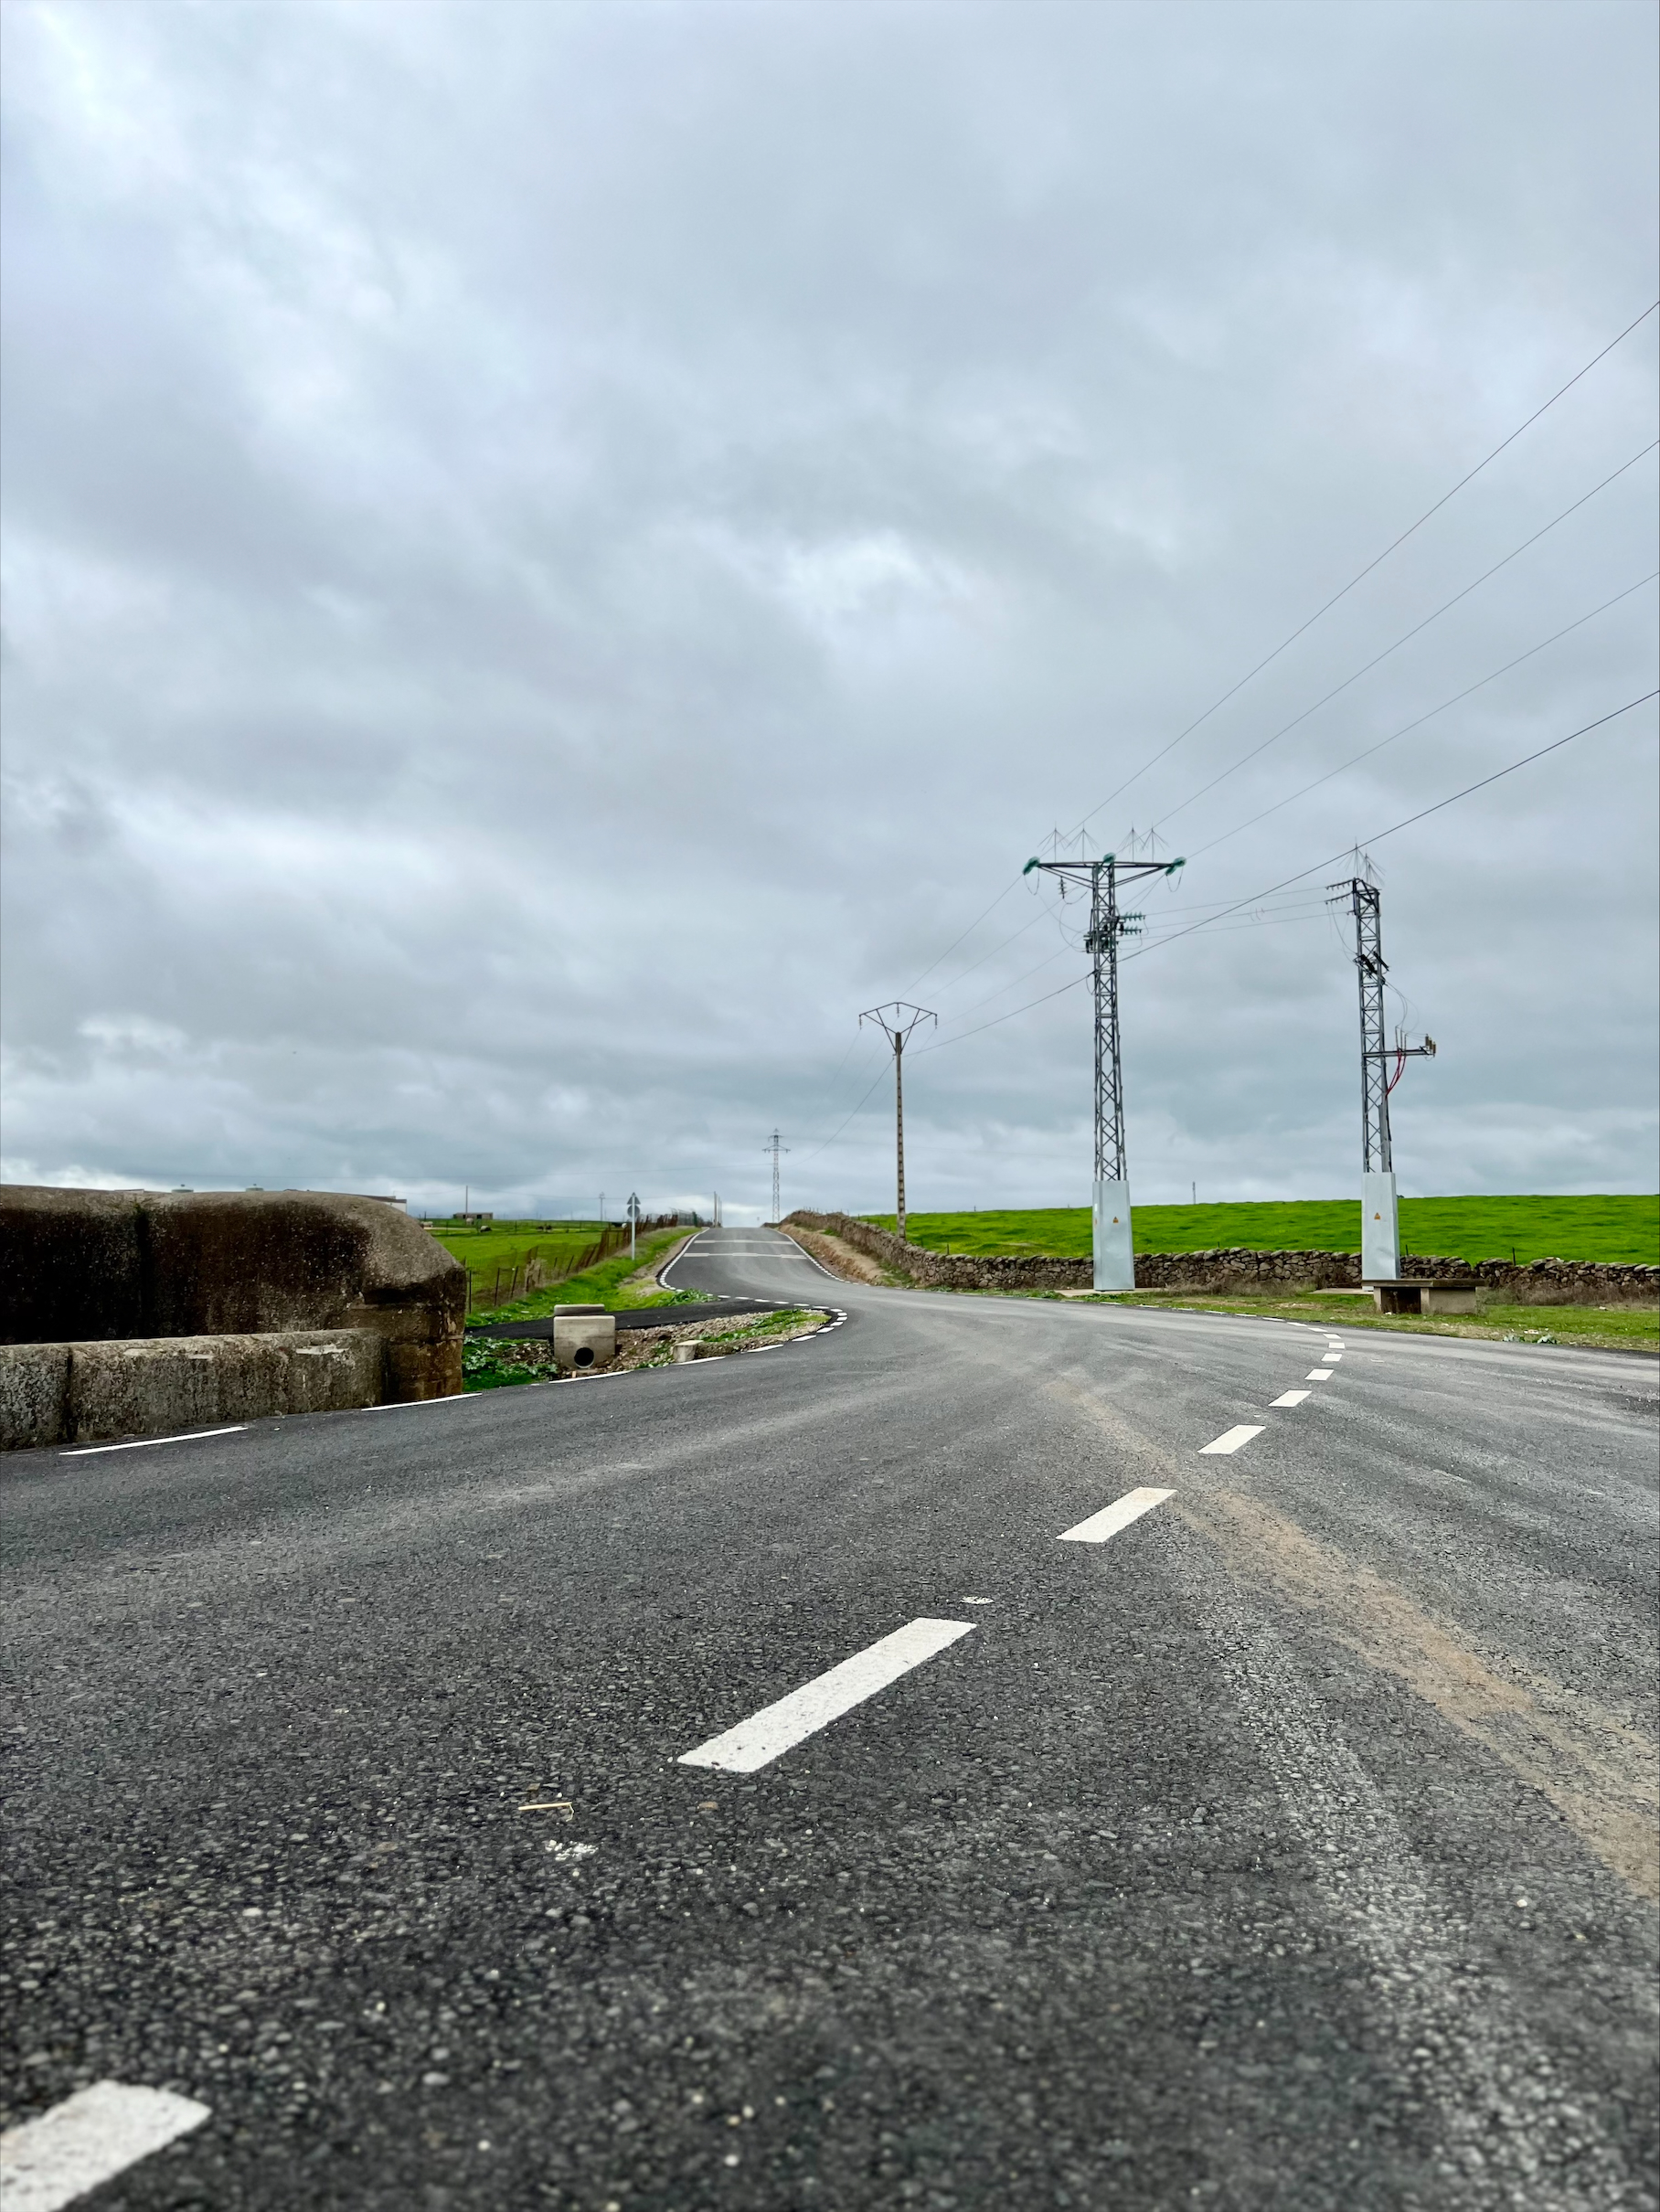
column 1291, row 1846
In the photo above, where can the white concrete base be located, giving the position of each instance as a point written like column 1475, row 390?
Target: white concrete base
column 1379, row 1229
column 1113, row 1239
column 583, row 1340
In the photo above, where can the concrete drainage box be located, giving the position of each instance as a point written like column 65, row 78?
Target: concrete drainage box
column 584, row 1337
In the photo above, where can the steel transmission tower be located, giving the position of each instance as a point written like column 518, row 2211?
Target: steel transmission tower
column 775, row 1148
column 1113, row 1239
column 896, row 1023
column 1379, row 1213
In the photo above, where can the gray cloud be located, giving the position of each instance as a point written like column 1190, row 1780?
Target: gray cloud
column 552, row 556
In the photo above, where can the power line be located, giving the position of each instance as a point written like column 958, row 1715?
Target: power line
column 1406, row 728
column 1406, row 639
column 1285, row 642
column 1364, row 573
column 831, row 1139
column 1256, row 897
column 1377, row 837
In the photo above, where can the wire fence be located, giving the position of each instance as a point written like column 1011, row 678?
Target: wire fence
column 539, row 1271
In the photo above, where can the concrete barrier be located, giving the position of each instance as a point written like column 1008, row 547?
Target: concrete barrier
column 82, row 1393
column 34, row 1395
column 79, row 1269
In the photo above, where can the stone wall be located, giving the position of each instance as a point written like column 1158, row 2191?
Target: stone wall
column 82, row 1267
column 1542, row 1282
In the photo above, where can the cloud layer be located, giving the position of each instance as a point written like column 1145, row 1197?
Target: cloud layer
column 553, row 556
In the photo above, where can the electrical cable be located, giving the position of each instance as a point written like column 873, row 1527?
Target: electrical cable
column 1370, row 565
column 831, row 1140
column 1285, row 728
column 1286, row 643
column 1406, row 728
column 1376, row 838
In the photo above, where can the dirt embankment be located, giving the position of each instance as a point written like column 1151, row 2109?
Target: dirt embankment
column 839, row 1257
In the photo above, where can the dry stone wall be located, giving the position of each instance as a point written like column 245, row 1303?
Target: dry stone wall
column 1540, row 1283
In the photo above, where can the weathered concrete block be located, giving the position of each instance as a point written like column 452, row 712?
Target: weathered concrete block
column 582, row 1341
column 80, row 1265
column 153, row 1384
column 34, row 1395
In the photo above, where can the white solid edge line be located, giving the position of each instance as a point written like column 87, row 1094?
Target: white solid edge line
column 1318, row 1374
column 1111, row 1519
column 88, row 2140
column 404, row 1405
column 1291, row 1397
column 144, row 1443
column 1231, row 1439
column 760, row 1739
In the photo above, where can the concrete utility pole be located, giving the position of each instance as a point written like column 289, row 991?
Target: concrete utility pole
column 1113, row 1237
column 896, row 1023
column 775, row 1148
column 1380, row 1212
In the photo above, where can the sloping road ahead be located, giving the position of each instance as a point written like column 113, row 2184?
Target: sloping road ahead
column 1292, row 1848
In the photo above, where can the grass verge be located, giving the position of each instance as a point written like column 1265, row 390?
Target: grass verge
column 1611, row 1228
column 488, row 1365
column 1588, row 1327
column 607, row 1284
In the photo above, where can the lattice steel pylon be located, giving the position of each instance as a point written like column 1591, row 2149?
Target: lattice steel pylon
column 897, row 1022
column 775, row 1146
column 1379, row 1213
column 1113, row 1239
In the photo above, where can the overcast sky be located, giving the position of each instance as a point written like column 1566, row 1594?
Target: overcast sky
column 555, row 552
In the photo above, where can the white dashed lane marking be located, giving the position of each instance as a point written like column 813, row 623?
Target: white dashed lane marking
column 146, row 1444
column 1318, row 1374
column 758, row 1740
column 1231, row 1439
column 1111, row 1519
column 411, row 1405
column 1292, row 1398
column 88, row 2140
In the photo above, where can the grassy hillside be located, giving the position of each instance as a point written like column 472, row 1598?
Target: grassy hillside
column 493, row 1255
column 606, row 1284
column 1607, row 1229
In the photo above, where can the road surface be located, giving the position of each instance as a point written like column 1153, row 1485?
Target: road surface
column 1293, row 1846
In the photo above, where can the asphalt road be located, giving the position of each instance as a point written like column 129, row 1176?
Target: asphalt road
column 1292, row 1848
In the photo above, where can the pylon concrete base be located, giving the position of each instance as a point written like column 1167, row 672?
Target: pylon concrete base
column 1379, row 1229
column 1114, row 1242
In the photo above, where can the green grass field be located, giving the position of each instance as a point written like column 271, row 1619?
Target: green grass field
column 493, row 1255
column 602, row 1285
column 1607, row 1229
column 1592, row 1328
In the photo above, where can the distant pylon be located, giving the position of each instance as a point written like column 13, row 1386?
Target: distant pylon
column 775, row 1147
